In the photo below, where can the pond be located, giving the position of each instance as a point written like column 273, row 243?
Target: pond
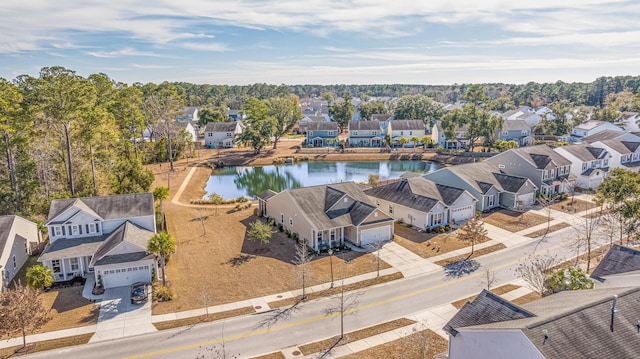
column 233, row 182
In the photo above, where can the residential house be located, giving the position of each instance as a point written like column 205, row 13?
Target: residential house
column 222, row 134
column 620, row 267
column 516, row 130
column 383, row 119
column 321, row 134
column 598, row 323
column 101, row 237
column 439, row 138
column 189, row 114
column 590, row 165
column 398, row 129
column 511, row 115
column 490, row 187
column 624, row 154
column 325, row 216
column 547, row 169
column 18, row 237
column 236, row 115
column 365, row 134
column 301, row 127
column 592, row 127
column 190, row 129
column 423, row 203
column 531, row 119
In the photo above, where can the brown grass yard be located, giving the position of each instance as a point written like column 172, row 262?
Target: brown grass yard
column 513, row 221
column 476, row 253
column 224, row 266
column 421, row 344
column 203, row 318
column 553, row 228
column 68, row 309
column 275, row 355
column 422, row 243
column 527, row 298
column 316, row 347
column 47, row 345
column 570, row 206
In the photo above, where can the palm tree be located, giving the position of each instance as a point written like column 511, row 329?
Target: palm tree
column 39, row 276
column 162, row 245
column 415, row 141
column 403, row 141
column 160, row 194
column 426, row 140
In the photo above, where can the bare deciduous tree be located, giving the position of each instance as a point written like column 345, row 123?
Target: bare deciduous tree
column 472, row 231
column 21, row 311
column 376, row 247
column 535, row 272
column 490, row 277
column 344, row 305
column 585, row 228
column 302, row 268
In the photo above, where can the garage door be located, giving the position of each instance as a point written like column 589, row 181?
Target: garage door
column 463, row 213
column 125, row 276
column 377, row 234
column 527, row 199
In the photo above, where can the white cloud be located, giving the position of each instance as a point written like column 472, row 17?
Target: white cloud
column 121, row 53
column 211, row 46
column 151, row 66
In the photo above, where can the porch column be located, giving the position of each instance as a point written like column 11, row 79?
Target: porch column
column 63, row 267
column 341, row 235
column 81, row 265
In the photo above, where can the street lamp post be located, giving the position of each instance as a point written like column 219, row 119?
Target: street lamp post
column 331, row 264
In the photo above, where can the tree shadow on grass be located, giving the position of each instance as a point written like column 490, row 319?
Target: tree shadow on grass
column 240, row 259
column 461, row 268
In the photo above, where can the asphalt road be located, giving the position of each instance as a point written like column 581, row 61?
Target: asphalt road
column 248, row 336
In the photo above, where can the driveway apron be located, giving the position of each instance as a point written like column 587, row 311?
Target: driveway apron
column 119, row 318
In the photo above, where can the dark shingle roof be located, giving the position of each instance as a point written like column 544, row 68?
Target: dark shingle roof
column 127, row 232
column 221, row 126
column 72, row 247
column 603, row 135
column 486, row 308
column 510, row 183
column 618, row 260
column 267, row 194
column 405, row 125
column 108, row 207
column 621, row 146
column 400, row 192
column 482, row 176
column 584, row 152
column 540, row 156
column 362, row 125
column 123, row 258
column 515, row 125
column 322, row 126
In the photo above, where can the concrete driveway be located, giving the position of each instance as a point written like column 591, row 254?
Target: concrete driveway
column 119, row 318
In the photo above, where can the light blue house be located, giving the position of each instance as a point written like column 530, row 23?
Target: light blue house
column 516, row 130
column 321, row 134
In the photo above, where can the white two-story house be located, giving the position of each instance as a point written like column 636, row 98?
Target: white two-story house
column 624, row 154
column 407, row 129
column 222, row 134
column 589, row 164
column 102, row 237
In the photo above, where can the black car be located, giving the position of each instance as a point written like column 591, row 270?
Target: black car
column 138, row 292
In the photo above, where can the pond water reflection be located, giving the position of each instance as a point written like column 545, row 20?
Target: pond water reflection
column 233, row 182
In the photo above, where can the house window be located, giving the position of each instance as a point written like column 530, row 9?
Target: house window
column 229, row 134
column 209, row 134
column 319, row 236
column 75, row 230
column 553, row 173
column 282, row 218
column 15, row 262
column 330, row 133
column 92, row 228
column 410, row 133
column 291, row 221
column 545, row 175
column 525, row 133
column 57, row 231
column 355, row 133
column 584, row 166
column 505, row 133
column 332, row 234
column 374, row 133
column 310, row 133
column 437, row 218
column 74, row 264
column 55, row 265
column 491, row 201
column 26, row 250
column 401, row 133
column 391, row 209
column 605, row 162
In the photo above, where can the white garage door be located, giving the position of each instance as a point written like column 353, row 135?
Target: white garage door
column 527, row 199
column 463, row 213
column 125, row 276
column 377, row 234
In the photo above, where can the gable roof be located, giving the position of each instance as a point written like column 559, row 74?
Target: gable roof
column 621, row 146
column 221, row 126
column 618, row 260
column 407, row 125
column 584, row 152
column 363, row 125
column 484, row 309
column 319, row 204
column 589, row 125
column 515, row 125
column 127, row 232
column 484, row 175
column 322, row 126
column 381, row 117
column 108, row 207
column 539, row 156
column 578, row 324
column 603, row 135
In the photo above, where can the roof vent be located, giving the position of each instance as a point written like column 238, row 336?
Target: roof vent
column 613, row 310
column 501, row 166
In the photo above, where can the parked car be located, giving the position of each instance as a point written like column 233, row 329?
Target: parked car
column 139, row 292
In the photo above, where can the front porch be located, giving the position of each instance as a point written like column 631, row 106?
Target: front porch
column 323, row 240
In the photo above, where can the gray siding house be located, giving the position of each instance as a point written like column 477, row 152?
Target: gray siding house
column 365, row 134
column 18, row 236
column 320, row 134
column 488, row 185
column 516, row 130
column 547, row 169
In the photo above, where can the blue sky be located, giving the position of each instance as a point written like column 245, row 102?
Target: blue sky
column 323, row 41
